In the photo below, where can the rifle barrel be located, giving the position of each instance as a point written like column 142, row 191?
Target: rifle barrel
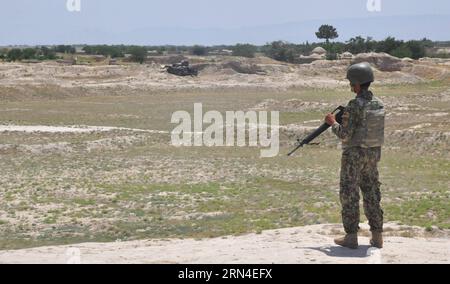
column 339, row 113
column 316, row 133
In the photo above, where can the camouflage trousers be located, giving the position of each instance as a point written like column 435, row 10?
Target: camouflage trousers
column 359, row 171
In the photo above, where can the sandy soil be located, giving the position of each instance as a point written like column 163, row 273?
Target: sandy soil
column 216, row 73
column 69, row 129
column 310, row 244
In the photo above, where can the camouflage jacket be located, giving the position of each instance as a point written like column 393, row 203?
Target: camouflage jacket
column 362, row 122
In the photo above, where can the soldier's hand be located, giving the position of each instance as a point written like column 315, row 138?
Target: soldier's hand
column 330, row 119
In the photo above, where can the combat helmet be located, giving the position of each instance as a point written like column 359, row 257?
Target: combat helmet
column 360, row 73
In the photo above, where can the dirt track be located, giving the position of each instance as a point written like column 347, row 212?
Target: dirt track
column 310, row 244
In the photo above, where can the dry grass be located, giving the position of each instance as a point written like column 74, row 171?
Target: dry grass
column 135, row 185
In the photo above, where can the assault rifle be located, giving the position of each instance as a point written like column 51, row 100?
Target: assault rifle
column 338, row 112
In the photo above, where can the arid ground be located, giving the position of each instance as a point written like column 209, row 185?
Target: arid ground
column 86, row 155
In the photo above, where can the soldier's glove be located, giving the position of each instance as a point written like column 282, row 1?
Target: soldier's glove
column 330, row 119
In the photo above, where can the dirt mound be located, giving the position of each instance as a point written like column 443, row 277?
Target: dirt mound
column 346, row 55
column 442, row 61
column 319, row 50
column 52, row 79
column 428, row 72
column 382, row 61
column 167, row 60
column 244, row 68
column 230, row 68
column 214, row 70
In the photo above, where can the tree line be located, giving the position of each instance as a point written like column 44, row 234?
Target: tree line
column 285, row 51
column 278, row 50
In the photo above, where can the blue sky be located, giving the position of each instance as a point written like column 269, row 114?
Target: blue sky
column 115, row 21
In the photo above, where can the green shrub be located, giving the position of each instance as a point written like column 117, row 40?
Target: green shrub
column 65, row 49
column 29, row 53
column 244, row 50
column 138, row 54
column 281, row 51
column 15, row 54
column 402, row 51
column 199, row 50
column 417, row 48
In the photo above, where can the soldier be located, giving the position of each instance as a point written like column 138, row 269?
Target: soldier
column 362, row 135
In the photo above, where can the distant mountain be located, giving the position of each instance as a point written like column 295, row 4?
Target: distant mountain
column 435, row 27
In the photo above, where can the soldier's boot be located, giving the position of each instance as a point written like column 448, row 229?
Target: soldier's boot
column 349, row 241
column 377, row 240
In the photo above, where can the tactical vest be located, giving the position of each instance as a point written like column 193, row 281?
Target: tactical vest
column 369, row 132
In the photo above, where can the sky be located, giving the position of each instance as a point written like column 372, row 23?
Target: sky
column 203, row 21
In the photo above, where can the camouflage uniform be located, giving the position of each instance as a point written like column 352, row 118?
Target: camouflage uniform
column 362, row 134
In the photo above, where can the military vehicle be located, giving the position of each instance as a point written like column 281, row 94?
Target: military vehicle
column 181, row 69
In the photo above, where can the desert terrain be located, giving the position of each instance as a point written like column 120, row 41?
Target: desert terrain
column 86, row 158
